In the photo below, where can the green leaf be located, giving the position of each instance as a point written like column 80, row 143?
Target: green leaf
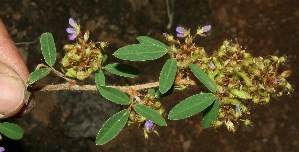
column 148, row 40
column 38, row 74
column 203, row 77
column 140, row 52
column 191, row 106
column 112, row 127
column 104, row 58
column 167, row 75
column 210, row 114
column 114, row 95
column 100, row 78
column 48, row 48
column 122, row 70
column 158, row 94
column 150, row 114
column 11, row 130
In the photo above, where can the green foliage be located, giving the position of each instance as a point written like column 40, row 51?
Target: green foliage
column 48, row 48
column 151, row 41
column 210, row 114
column 38, row 74
column 112, row 127
column 191, row 106
column 150, row 114
column 122, row 70
column 11, row 130
column 203, row 77
column 167, row 75
column 114, row 95
column 148, row 49
column 100, row 78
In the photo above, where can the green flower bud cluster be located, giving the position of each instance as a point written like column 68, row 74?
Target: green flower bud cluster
column 243, row 80
column 186, row 52
column 83, row 58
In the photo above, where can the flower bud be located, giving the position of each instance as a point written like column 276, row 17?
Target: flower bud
column 86, row 36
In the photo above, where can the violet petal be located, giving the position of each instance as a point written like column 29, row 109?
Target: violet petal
column 2, row 149
column 207, row 28
column 180, row 35
column 71, row 30
column 72, row 22
column 72, row 36
column 149, row 125
column 180, row 30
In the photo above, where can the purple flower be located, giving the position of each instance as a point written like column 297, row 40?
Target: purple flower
column 212, row 65
column 2, row 149
column 206, row 28
column 74, row 30
column 203, row 30
column 181, row 32
column 149, row 125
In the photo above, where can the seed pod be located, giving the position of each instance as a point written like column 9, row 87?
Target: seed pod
column 247, row 122
column 81, row 75
column 286, row 73
column 217, row 123
column 230, row 126
column 232, row 101
column 221, row 114
column 65, row 62
column 217, row 63
column 157, row 104
column 240, row 94
column 233, row 49
column 255, row 99
column 247, row 55
column 282, row 59
column 274, row 58
column 246, row 79
column 206, row 60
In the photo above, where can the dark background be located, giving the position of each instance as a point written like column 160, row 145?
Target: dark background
column 69, row 121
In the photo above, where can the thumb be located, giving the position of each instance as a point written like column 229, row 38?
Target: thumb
column 12, row 89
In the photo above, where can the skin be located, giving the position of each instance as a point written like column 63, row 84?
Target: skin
column 14, row 74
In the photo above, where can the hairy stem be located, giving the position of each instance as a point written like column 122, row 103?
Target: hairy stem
column 68, row 86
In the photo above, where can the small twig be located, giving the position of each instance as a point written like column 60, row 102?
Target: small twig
column 170, row 12
column 59, row 74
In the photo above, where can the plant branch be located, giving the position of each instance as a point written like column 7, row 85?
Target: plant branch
column 68, row 86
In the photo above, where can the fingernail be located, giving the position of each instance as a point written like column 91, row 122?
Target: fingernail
column 11, row 94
